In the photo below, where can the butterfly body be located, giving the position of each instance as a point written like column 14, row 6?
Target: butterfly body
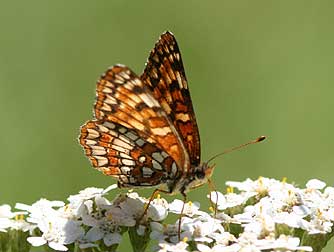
column 144, row 132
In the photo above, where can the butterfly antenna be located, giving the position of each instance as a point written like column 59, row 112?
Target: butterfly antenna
column 257, row 140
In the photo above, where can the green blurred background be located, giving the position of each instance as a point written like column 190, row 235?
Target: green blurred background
column 254, row 68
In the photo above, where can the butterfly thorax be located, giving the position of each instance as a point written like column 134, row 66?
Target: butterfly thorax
column 196, row 177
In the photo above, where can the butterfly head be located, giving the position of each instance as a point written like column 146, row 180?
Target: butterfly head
column 200, row 176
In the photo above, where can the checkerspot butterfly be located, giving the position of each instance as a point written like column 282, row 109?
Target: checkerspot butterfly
column 144, row 132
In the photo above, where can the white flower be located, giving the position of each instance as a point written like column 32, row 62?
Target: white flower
column 201, row 228
column 162, row 232
column 127, row 209
column 57, row 232
column 228, row 200
column 315, row 184
column 5, row 224
column 40, row 210
column 84, row 200
column 189, row 208
column 121, row 216
column 247, row 243
column 272, row 202
column 158, row 209
column 20, row 224
column 283, row 242
column 223, row 238
column 109, row 232
column 291, row 219
column 5, row 212
column 262, row 186
column 170, row 247
column 218, row 248
column 319, row 226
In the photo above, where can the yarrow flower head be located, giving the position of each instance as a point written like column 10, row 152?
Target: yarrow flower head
column 254, row 215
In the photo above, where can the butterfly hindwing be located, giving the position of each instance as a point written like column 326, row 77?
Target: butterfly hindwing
column 164, row 74
column 121, row 153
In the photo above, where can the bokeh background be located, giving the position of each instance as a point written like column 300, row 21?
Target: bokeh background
column 254, row 68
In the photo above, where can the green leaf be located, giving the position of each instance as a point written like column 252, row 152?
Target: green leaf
column 316, row 241
column 283, row 229
column 18, row 241
column 104, row 248
column 139, row 242
column 4, row 241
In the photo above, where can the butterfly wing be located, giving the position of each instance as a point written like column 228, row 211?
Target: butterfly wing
column 165, row 75
column 124, row 99
column 130, row 121
column 121, row 153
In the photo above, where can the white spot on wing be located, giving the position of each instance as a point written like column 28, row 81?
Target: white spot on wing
column 119, row 142
column 98, row 150
column 103, row 128
column 149, row 100
column 140, row 142
column 122, row 130
column 128, row 162
column 120, row 149
column 125, row 139
column 110, row 100
column 147, row 172
column 92, row 133
column 164, row 154
column 106, row 107
column 179, row 80
column 125, row 75
column 174, row 168
column 142, row 159
column 109, row 125
column 157, row 156
column 183, row 117
column 107, row 90
column 128, row 85
column 161, row 131
column 101, row 161
column 125, row 169
column 123, row 155
column 156, row 165
column 90, row 142
column 131, row 136
column 118, row 81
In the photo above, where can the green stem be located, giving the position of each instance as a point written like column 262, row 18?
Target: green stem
column 139, row 242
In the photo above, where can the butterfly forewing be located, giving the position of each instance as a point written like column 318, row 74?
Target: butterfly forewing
column 122, row 98
column 164, row 73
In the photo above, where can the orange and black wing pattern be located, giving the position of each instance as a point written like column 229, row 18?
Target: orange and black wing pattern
column 120, row 152
column 132, row 137
column 144, row 131
column 121, row 97
column 165, row 75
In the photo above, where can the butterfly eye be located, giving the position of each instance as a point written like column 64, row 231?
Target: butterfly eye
column 199, row 174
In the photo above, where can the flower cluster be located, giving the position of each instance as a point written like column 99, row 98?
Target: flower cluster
column 260, row 215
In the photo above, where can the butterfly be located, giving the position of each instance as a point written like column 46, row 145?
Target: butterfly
column 144, row 132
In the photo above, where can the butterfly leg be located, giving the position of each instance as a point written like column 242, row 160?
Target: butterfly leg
column 212, row 187
column 155, row 192
column 181, row 215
